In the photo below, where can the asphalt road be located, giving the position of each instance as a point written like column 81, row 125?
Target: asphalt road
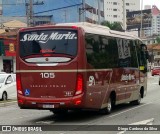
column 147, row 113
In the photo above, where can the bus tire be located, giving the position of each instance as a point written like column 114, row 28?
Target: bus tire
column 108, row 109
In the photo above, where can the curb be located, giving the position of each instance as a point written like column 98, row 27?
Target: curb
column 3, row 104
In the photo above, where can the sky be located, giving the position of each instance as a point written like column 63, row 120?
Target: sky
column 151, row 2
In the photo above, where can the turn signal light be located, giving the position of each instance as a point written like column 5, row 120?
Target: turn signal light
column 79, row 87
column 19, row 85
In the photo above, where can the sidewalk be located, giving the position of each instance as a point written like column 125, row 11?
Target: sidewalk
column 7, row 103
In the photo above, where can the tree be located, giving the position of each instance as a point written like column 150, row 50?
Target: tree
column 113, row 26
column 158, row 39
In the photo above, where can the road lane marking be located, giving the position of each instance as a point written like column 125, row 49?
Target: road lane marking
column 129, row 110
column 96, row 120
column 144, row 122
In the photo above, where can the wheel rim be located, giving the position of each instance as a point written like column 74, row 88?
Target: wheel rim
column 139, row 99
column 109, row 107
column 4, row 96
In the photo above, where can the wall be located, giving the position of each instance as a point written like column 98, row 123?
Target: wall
column 117, row 16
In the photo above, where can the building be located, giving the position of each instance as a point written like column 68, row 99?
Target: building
column 8, row 43
column 149, row 40
column 7, row 55
column 147, row 7
column 113, row 9
column 155, row 20
column 61, row 11
column 150, row 22
column 154, row 52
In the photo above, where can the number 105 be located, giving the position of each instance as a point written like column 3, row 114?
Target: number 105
column 47, row 75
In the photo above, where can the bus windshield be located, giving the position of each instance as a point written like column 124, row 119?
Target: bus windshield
column 41, row 43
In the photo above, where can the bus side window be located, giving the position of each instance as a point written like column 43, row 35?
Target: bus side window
column 134, row 56
column 101, row 51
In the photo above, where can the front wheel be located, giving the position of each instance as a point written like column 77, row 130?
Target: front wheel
column 108, row 109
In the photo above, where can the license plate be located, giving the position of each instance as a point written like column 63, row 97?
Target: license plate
column 47, row 106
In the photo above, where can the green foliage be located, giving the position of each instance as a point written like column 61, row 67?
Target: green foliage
column 113, row 26
column 158, row 39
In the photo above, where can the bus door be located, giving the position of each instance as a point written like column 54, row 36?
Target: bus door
column 132, row 71
column 131, row 77
column 124, row 64
column 136, row 76
column 48, row 68
column 99, row 69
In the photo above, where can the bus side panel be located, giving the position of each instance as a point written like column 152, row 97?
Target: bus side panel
column 97, row 87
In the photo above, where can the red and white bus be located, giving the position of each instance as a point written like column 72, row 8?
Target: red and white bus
column 79, row 66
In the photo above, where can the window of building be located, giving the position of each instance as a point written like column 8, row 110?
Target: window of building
column 114, row 3
column 127, row 4
column 114, row 9
column 115, row 16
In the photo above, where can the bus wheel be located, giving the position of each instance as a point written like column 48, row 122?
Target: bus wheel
column 108, row 109
column 59, row 111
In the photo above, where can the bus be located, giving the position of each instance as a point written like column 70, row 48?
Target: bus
column 72, row 66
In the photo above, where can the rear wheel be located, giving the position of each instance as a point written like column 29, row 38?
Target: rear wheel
column 108, row 109
column 4, row 96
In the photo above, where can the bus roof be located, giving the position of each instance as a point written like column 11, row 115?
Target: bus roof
column 91, row 28
column 99, row 29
